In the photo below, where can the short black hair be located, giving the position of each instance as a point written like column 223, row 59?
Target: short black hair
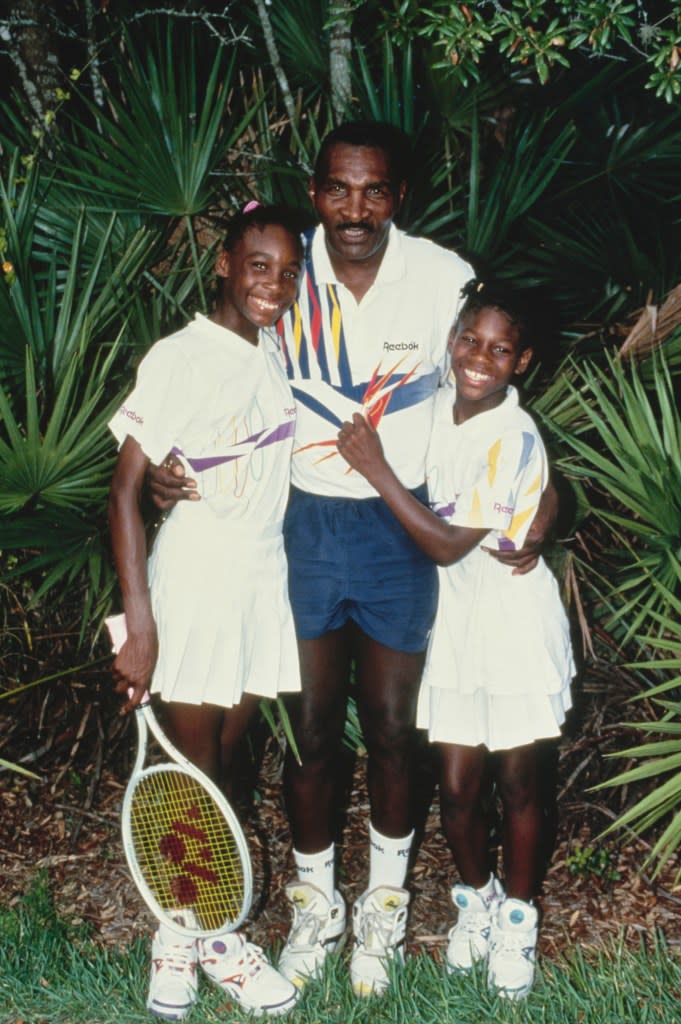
column 263, row 216
column 372, row 135
column 526, row 308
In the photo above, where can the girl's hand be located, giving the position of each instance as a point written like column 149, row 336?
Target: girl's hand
column 134, row 666
column 360, row 445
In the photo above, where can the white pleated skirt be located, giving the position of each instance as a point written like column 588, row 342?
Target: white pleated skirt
column 220, row 600
column 497, row 721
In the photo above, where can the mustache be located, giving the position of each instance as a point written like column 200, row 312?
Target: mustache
column 349, row 224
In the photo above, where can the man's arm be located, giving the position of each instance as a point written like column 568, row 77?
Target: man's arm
column 134, row 664
column 359, row 444
column 167, row 484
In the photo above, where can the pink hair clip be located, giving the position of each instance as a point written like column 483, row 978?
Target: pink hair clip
column 252, row 205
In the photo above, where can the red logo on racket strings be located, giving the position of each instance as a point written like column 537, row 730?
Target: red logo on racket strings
column 173, row 848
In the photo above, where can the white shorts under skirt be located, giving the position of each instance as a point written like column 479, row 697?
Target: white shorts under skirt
column 220, row 601
column 500, row 722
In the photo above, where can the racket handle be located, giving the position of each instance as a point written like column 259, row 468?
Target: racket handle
column 118, row 633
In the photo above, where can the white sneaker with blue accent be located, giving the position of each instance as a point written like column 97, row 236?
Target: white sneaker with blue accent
column 469, row 938
column 513, row 949
column 173, row 983
column 317, row 930
column 243, row 973
column 379, row 920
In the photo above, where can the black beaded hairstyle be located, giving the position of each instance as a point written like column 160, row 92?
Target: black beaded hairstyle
column 260, row 217
column 371, row 135
column 525, row 308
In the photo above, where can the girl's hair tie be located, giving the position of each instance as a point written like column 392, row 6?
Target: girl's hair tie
column 253, row 204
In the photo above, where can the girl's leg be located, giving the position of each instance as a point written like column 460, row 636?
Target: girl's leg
column 520, row 792
column 208, row 735
column 464, row 819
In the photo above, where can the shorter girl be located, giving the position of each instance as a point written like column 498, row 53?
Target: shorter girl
column 208, row 620
column 499, row 662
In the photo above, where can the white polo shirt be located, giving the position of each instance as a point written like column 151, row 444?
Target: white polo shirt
column 383, row 357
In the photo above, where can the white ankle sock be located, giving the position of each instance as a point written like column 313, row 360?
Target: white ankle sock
column 388, row 858
column 486, row 891
column 318, row 869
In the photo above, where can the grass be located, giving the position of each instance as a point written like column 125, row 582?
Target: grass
column 53, row 973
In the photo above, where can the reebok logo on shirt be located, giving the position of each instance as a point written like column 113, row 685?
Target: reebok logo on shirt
column 130, row 414
column 401, row 346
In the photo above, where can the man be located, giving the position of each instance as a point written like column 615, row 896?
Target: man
column 368, row 334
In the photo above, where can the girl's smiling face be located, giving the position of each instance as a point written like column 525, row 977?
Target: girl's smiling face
column 261, row 275
column 486, row 353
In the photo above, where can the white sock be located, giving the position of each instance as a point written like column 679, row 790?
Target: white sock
column 318, row 869
column 487, row 890
column 388, row 859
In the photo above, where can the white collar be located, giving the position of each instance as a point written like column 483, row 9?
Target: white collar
column 392, row 266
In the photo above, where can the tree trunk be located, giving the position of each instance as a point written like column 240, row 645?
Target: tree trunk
column 340, row 50
column 32, row 47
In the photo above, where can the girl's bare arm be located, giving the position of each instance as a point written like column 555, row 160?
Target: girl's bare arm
column 359, row 444
column 135, row 662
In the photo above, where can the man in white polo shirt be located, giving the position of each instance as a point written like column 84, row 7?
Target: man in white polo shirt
column 369, row 334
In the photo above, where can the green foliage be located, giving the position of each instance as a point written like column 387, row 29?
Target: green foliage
column 593, row 860
column 659, row 762
column 167, row 130
column 544, row 37
column 498, row 201
column 625, row 446
column 49, row 970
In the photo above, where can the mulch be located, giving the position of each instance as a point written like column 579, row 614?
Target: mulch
column 66, row 826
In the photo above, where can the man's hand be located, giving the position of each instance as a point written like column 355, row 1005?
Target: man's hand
column 526, row 558
column 167, row 484
column 360, row 445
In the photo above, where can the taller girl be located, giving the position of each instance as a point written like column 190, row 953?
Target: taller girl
column 209, row 623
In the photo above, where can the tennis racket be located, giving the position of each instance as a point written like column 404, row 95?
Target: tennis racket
column 183, row 843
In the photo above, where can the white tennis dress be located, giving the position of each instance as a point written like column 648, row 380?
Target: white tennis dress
column 217, row 572
column 499, row 662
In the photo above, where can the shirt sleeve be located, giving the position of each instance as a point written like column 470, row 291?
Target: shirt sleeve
column 156, row 412
column 505, row 494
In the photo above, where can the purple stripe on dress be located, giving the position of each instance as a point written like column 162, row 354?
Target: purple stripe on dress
column 199, row 465
column 506, row 544
column 280, row 433
column 444, row 510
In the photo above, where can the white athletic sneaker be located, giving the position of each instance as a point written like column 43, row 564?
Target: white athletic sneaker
column 173, row 983
column 316, row 931
column 379, row 921
column 241, row 970
column 513, row 946
column 469, row 937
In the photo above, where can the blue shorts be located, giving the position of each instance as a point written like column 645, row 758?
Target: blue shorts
column 351, row 560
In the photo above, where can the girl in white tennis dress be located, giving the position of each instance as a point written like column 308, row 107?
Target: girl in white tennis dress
column 209, row 626
column 499, row 663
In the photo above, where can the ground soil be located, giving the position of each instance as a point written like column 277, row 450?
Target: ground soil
column 66, row 826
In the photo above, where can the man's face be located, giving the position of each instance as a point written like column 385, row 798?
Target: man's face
column 356, row 202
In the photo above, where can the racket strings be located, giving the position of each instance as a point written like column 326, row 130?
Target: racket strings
column 186, row 850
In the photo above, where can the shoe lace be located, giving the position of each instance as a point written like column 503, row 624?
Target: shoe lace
column 378, row 929
column 510, row 942
column 253, row 958
column 306, row 928
column 471, row 923
column 178, row 962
